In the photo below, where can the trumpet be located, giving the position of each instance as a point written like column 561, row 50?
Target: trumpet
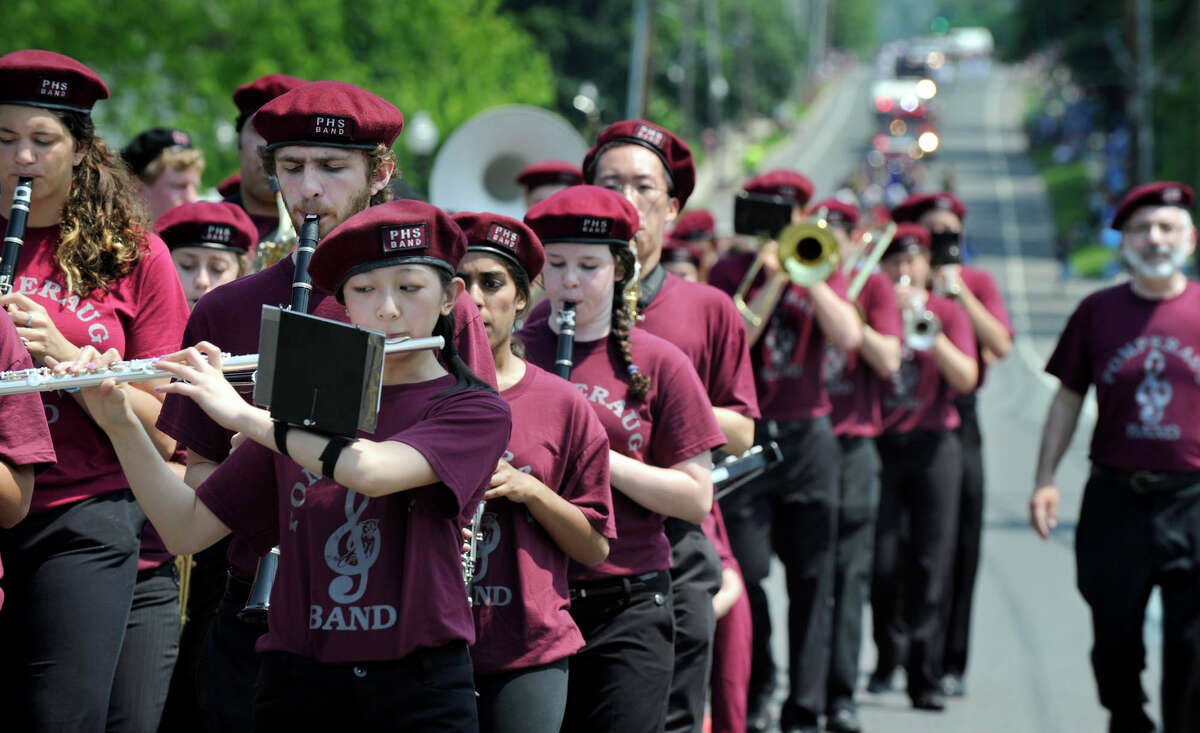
column 276, row 245
column 239, row 370
column 921, row 325
column 808, row 252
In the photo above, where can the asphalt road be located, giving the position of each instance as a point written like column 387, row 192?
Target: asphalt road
column 1029, row 669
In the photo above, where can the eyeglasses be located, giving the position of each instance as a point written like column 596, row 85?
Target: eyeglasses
column 641, row 191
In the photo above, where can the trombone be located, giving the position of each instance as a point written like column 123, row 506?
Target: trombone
column 808, row 252
column 870, row 250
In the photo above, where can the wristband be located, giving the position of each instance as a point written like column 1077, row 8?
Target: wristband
column 281, row 431
column 333, row 451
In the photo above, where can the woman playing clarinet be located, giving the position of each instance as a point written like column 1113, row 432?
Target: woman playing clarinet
column 530, row 531
column 660, row 428
column 90, row 273
column 369, row 621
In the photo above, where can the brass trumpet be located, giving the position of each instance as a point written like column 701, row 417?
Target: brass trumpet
column 808, row 252
column 921, row 325
column 276, row 245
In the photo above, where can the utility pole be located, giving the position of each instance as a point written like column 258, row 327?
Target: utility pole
column 718, row 87
column 687, row 60
column 816, row 40
column 1141, row 110
column 639, row 59
column 745, row 61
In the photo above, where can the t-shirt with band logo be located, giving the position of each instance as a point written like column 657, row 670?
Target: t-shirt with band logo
column 360, row 578
column 1143, row 357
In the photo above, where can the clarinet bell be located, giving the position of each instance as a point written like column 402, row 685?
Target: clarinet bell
column 258, row 603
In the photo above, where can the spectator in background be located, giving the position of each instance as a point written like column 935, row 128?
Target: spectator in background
column 166, row 169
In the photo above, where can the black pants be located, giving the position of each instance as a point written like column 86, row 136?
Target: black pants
column 695, row 579
column 621, row 678
column 429, row 690
column 919, row 489
column 793, row 512
column 1126, row 543
column 970, row 535
column 858, row 502
column 228, row 668
column 148, row 655
column 69, row 574
column 182, row 711
column 530, row 700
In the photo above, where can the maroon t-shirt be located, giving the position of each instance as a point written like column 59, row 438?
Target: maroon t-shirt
column 1143, row 356
column 854, row 387
column 24, row 435
column 364, row 579
column 983, row 286
column 918, row 397
column 230, row 316
column 672, row 424
column 520, row 587
column 141, row 317
column 703, row 323
column 788, row 357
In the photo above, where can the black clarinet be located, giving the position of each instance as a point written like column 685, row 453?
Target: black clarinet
column 258, row 602
column 14, row 235
column 566, row 341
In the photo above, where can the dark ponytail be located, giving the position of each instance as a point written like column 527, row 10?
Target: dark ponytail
column 464, row 378
column 622, row 324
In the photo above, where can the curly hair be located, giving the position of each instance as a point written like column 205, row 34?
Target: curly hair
column 622, row 325
column 103, row 229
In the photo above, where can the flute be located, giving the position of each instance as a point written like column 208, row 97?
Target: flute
column 14, row 235
column 44, row 379
column 566, row 341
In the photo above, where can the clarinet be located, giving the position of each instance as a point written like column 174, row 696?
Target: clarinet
column 258, row 602
column 471, row 554
column 14, row 235
column 566, row 341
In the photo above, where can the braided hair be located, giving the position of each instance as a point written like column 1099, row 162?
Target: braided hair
column 622, row 324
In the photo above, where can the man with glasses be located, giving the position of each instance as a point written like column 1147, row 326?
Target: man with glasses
column 1139, row 526
column 653, row 169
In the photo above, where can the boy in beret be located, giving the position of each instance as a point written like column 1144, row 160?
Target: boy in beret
column 1139, row 525
column 543, row 180
column 944, row 214
column 167, row 168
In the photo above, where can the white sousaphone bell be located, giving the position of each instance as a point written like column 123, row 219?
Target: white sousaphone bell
column 477, row 167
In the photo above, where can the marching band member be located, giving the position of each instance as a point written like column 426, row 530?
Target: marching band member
column 854, row 380
column 320, row 171
column 1137, row 343
column 922, row 464
column 793, row 509
column 698, row 228
column 653, row 407
column 733, row 642
column 543, row 180
column 943, row 215
column 166, row 168
column 549, row 500
column 208, row 243
column 682, row 260
column 90, row 273
column 380, row 638
column 253, row 190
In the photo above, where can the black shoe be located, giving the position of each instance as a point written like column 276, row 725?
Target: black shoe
column 794, row 720
column 929, row 700
column 880, row 682
column 843, row 720
column 953, row 685
column 758, row 721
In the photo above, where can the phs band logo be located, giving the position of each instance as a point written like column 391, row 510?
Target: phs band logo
column 503, row 236
column 332, row 126
column 217, row 233
column 402, row 238
column 53, row 88
column 594, row 225
column 650, row 135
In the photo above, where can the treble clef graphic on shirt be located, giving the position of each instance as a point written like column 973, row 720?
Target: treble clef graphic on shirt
column 351, row 550
column 1154, row 393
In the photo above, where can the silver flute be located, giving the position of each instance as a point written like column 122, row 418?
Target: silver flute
column 239, row 369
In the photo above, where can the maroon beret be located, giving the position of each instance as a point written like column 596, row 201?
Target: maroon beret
column 505, row 237
column 837, row 212
column 1159, row 193
column 680, row 250
column 251, row 96
column 211, row 224
column 48, row 79
column 673, row 152
column 695, row 224
column 329, row 113
column 586, row 214
column 230, row 185
column 549, row 172
column 917, row 204
column 782, row 182
column 911, row 238
column 396, row 233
